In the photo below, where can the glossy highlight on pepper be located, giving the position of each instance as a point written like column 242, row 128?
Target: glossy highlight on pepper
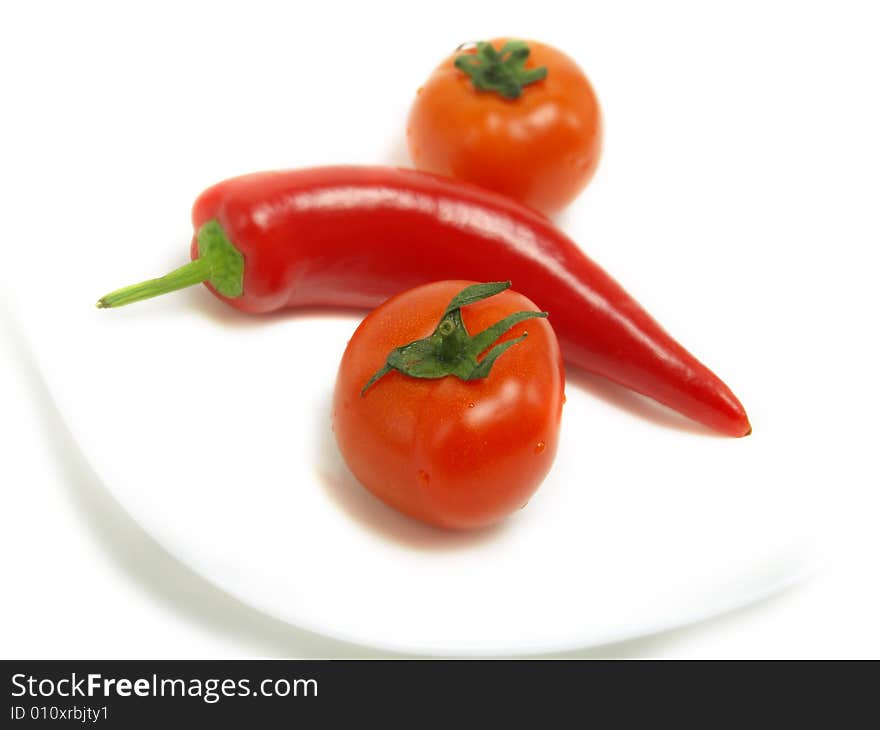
column 353, row 236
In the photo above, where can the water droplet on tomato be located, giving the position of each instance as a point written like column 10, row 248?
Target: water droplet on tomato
column 471, row 405
column 539, row 447
column 424, row 477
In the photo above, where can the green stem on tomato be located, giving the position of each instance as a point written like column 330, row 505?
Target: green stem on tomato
column 451, row 350
column 502, row 72
column 219, row 263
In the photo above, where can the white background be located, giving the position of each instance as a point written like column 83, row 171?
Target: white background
column 757, row 121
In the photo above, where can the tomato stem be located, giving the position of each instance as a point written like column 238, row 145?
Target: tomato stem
column 451, row 350
column 219, row 263
column 502, row 72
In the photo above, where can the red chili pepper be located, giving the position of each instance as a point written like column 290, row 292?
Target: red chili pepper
column 353, row 236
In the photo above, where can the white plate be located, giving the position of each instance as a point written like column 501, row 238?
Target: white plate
column 211, row 428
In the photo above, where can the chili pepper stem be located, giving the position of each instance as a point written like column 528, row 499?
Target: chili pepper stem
column 219, row 263
column 195, row 272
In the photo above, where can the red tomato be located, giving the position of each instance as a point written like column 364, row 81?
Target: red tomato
column 451, row 452
column 540, row 147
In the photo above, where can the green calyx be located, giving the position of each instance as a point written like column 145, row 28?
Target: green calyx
column 502, row 72
column 219, row 263
column 451, row 350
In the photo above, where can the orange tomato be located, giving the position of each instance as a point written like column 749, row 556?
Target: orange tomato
column 449, row 451
column 540, row 147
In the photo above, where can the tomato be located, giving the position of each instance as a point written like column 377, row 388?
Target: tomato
column 540, row 147
column 453, row 452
